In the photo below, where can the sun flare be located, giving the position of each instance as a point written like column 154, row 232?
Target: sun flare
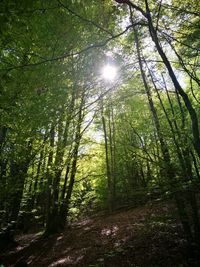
column 109, row 72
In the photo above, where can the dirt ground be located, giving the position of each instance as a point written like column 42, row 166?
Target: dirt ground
column 147, row 236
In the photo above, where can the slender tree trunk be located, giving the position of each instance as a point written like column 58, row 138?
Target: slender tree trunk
column 64, row 209
column 179, row 89
column 113, row 154
column 67, row 172
column 65, row 181
column 49, row 215
column 3, row 165
column 169, row 169
column 153, row 33
column 35, row 186
column 59, row 158
column 108, row 167
column 112, row 147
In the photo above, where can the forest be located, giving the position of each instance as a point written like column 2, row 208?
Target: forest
column 100, row 133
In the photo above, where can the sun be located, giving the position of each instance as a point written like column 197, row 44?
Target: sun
column 109, row 72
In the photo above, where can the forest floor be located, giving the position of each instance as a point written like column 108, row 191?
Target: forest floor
column 146, row 236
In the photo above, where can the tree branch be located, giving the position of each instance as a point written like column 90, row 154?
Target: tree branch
column 128, row 2
column 84, row 19
column 71, row 54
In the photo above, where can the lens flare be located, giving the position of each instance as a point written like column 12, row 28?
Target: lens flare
column 109, row 72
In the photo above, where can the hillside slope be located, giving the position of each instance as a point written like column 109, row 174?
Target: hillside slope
column 145, row 236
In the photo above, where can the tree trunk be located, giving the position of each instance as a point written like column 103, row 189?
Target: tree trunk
column 169, row 168
column 153, row 33
column 64, row 209
column 179, row 89
column 49, row 215
column 108, row 167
